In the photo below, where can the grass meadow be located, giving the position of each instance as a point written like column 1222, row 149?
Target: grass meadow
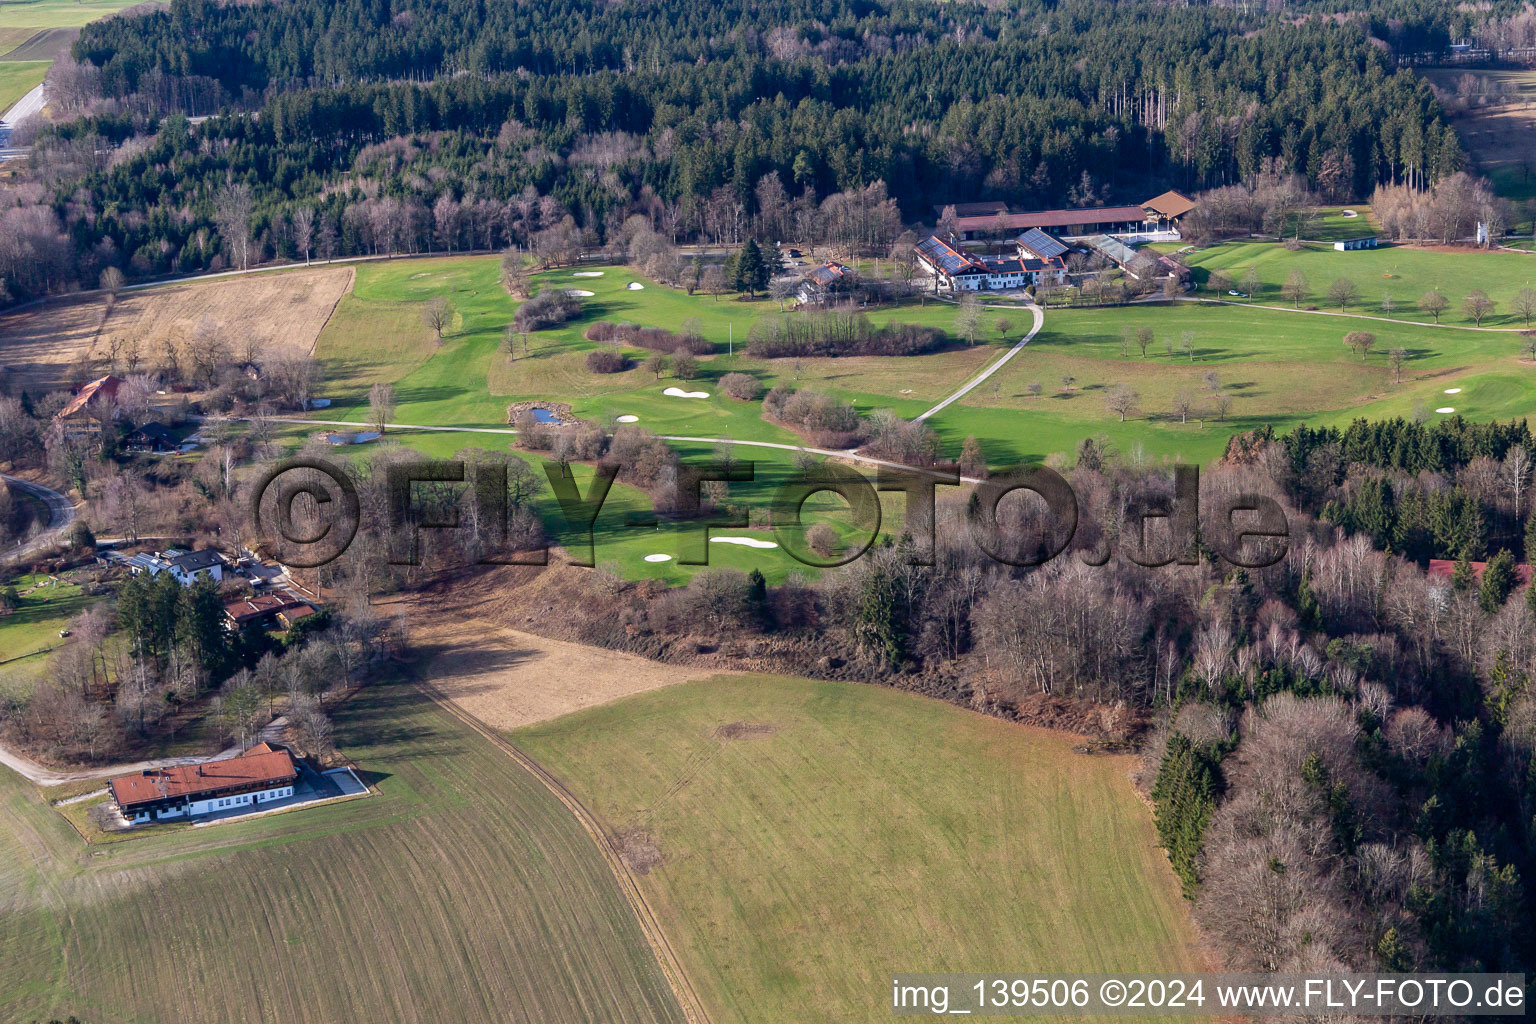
column 461, row 891
column 848, row 832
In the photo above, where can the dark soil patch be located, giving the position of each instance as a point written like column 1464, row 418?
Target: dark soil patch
column 639, row 849
column 745, row 731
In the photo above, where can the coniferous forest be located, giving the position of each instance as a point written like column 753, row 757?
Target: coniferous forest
column 368, row 126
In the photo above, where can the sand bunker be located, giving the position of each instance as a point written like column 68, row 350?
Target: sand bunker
column 680, row 393
column 588, row 273
column 750, row 542
column 636, row 286
column 628, row 419
column 580, row 293
column 1445, row 409
column 658, row 558
column 1453, row 391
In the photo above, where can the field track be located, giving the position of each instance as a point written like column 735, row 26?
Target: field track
column 682, row 988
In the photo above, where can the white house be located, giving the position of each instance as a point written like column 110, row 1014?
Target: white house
column 186, row 567
column 258, row 776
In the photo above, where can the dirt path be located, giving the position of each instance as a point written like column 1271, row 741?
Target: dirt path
column 42, row 776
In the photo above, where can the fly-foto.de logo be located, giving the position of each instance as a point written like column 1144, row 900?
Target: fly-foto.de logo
column 306, row 513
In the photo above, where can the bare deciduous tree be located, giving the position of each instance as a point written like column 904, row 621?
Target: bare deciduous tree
column 381, row 405
column 437, row 314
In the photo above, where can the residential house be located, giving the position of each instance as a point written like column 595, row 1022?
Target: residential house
column 1158, row 217
column 186, row 567
column 94, row 404
column 154, row 438
column 823, row 283
column 281, row 606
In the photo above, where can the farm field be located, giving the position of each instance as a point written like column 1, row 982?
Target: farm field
column 39, row 14
column 47, row 45
column 1404, row 273
column 10, row 38
column 17, row 78
column 508, row 678
column 462, row 890
column 283, row 310
column 800, row 847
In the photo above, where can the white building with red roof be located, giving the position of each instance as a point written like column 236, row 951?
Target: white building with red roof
column 260, row 775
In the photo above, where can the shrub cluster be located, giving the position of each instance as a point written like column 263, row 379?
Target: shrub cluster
column 838, row 332
column 830, row 421
column 654, row 339
column 607, row 362
column 741, row 386
column 550, row 308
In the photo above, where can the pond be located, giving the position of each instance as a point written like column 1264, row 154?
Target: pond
column 544, row 416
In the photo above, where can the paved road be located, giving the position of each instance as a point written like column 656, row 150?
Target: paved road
column 31, row 103
column 971, row 384
column 61, row 512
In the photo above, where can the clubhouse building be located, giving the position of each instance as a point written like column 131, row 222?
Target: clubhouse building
column 954, row 269
column 260, row 775
column 1156, row 219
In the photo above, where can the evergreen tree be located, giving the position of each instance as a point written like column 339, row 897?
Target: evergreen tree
column 1498, row 581
column 1462, row 577
column 1183, row 798
column 751, row 272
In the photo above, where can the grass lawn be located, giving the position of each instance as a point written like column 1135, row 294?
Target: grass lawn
column 1329, row 224
column 1401, row 272
column 39, row 14
column 17, row 78
column 461, row 891
column 859, row 831
column 34, row 626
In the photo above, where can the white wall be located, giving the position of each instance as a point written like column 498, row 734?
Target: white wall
column 224, row 804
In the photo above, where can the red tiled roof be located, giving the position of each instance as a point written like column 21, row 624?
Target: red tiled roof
column 106, row 387
column 1445, row 568
column 261, row 605
column 259, row 764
